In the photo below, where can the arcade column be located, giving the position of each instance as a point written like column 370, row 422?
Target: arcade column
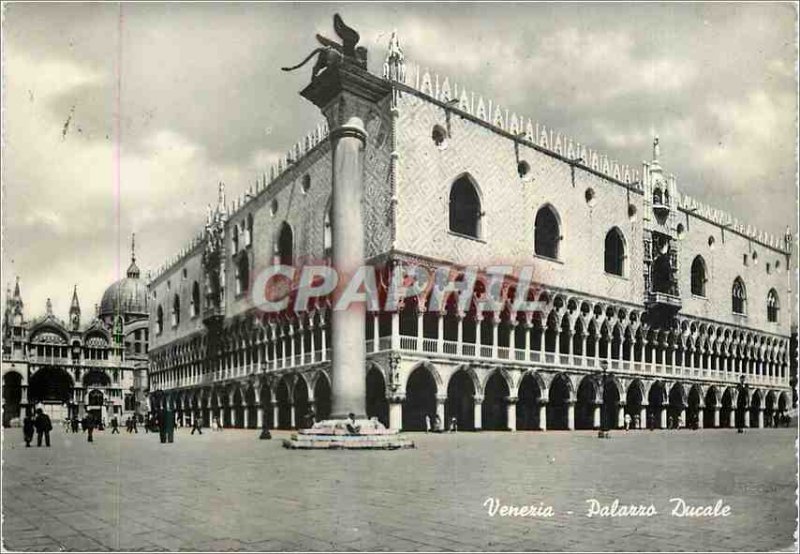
column 396, row 412
column 543, row 415
column 478, row 411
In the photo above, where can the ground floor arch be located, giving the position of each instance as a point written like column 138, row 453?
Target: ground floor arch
column 12, row 397
column 420, row 399
column 529, row 403
column 560, row 406
column 322, row 398
column 461, row 400
column 377, row 405
column 494, row 411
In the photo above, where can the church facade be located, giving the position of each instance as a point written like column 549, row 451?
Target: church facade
column 650, row 304
column 71, row 368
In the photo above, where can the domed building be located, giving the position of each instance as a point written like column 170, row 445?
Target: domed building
column 70, row 369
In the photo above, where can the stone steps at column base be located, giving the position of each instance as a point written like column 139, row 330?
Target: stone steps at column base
column 318, row 441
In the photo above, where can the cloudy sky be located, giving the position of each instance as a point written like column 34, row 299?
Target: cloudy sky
column 201, row 100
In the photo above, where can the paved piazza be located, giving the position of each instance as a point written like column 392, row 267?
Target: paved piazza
column 230, row 491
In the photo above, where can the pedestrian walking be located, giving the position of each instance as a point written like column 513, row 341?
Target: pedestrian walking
column 197, row 425
column 114, row 425
column 43, row 427
column 169, row 425
column 627, row 422
column 89, row 425
column 27, row 430
column 134, row 425
column 453, row 424
column 427, row 423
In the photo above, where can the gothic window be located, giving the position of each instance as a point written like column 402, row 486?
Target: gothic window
column 159, row 321
column 194, row 306
column 547, row 233
column 235, row 243
column 284, row 248
column 615, row 252
column 657, row 197
column 738, row 297
column 242, row 274
column 176, row 310
column 248, row 237
column 699, row 276
column 773, row 305
column 465, row 208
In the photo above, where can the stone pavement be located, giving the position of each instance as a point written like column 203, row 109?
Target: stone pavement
column 230, row 491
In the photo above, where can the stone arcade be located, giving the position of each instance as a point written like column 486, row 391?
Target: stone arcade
column 652, row 305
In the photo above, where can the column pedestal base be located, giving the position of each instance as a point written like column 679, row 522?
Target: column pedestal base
column 333, row 434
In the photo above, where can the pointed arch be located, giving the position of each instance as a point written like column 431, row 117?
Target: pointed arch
column 465, row 211
column 699, row 276
column 738, row 297
column 615, row 252
column 547, row 232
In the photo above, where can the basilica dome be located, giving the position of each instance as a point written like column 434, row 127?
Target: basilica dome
column 126, row 296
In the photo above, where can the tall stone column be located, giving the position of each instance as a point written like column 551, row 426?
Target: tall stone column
column 643, row 416
column 543, row 415
column 596, row 416
column 511, row 413
column 663, row 417
column 440, row 402
column 478, row 411
column 260, row 417
column 760, row 420
column 716, row 417
column 621, row 416
column 348, row 97
column 246, row 413
column 571, row 415
column 396, row 413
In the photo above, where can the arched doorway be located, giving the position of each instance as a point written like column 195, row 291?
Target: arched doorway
column 693, row 412
column 494, row 414
column 584, row 407
column 50, row 384
column 377, row 405
column 266, row 406
column 322, row 398
column 558, row 405
column 95, row 402
column 238, row 409
column 610, row 417
column 633, row 404
column 755, row 408
column 252, row 408
column 655, row 400
column 677, row 403
column 769, row 409
column 96, row 378
column 460, row 401
column 12, row 396
column 302, row 408
column 528, row 403
column 711, row 408
column 420, row 399
column 284, row 406
column 726, row 415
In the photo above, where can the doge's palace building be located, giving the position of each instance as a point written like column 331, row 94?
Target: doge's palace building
column 649, row 302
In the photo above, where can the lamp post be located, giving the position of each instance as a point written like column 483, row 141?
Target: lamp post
column 265, row 434
column 603, row 433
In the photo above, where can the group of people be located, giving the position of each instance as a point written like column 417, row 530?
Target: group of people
column 434, row 424
column 41, row 424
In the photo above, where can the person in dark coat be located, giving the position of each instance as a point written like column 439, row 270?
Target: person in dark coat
column 114, row 425
column 27, row 430
column 197, row 425
column 169, row 425
column 89, row 424
column 43, row 427
column 162, row 427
